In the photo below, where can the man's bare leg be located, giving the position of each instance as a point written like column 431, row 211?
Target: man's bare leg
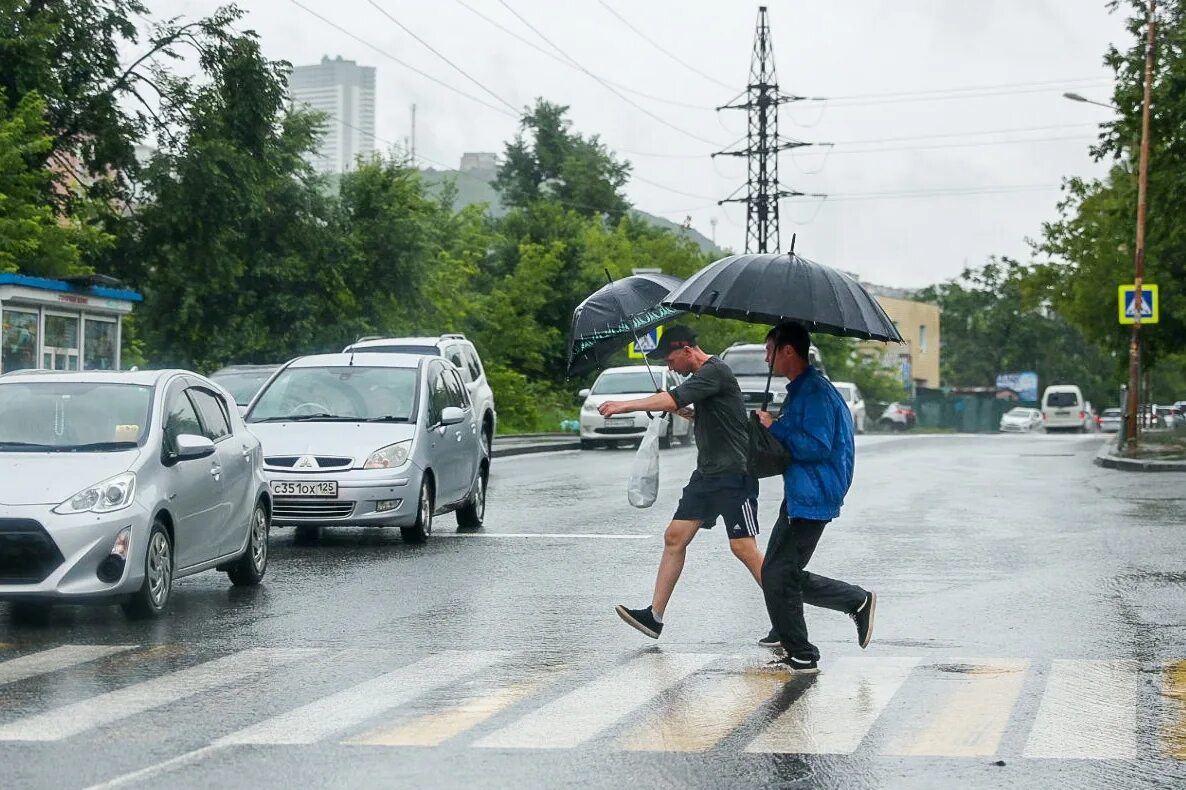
column 746, row 550
column 675, row 547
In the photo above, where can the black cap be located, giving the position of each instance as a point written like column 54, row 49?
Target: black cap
column 673, row 339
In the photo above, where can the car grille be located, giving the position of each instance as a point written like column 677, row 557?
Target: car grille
column 303, row 509
column 28, row 555
column 323, row 462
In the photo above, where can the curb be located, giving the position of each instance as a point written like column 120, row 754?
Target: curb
column 531, row 449
column 1106, row 459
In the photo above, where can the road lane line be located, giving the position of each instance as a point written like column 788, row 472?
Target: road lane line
column 1173, row 741
column 582, row 714
column 433, row 729
column 973, row 717
column 705, row 713
column 837, row 709
column 53, row 660
column 113, row 706
column 135, row 777
column 1088, row 711
column 355, row 705
column 573, row 535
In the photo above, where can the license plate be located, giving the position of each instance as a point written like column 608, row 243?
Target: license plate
column 618, row 422
column 327, row 489
column 1062, row 414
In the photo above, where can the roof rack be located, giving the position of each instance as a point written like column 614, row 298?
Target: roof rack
column 453, row 336
column 366, row 338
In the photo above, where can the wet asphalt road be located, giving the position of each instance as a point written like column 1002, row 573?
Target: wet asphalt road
column 1030, row 625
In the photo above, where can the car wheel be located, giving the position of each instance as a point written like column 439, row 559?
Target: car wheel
column 249, row 570
column 419, row 532
column 487, row 439
column 588, row 444
column 861, row 424
column 471, row 515
column 152, row 597
column 665, row 439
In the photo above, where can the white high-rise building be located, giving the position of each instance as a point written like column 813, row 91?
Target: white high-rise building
column 345, row 92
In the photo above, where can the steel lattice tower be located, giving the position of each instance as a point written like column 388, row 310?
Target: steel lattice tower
column 761, row 100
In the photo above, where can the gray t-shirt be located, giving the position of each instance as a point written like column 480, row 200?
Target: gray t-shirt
column 722, row 440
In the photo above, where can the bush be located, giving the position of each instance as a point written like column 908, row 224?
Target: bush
column 526, row 406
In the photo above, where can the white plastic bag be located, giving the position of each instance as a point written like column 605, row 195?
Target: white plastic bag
column 643, row 486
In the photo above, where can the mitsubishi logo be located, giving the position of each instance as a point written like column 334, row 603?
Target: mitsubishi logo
column 306, row 462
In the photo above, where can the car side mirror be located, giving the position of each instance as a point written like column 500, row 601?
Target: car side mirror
column 191, row 447
column 584, row 393
column 451, row 415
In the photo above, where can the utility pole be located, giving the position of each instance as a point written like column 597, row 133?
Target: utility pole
column 761, row 100
column 1134, row 346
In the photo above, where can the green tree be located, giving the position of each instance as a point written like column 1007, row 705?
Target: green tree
column 34, row 239
column 236, row 246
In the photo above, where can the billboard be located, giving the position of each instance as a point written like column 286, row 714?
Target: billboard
column 1025, row 384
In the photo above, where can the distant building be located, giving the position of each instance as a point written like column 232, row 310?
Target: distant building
column 478, row 161
column 345, row 92
column 918, row 324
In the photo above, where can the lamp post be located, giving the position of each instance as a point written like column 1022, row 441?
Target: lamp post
column 1078, row 97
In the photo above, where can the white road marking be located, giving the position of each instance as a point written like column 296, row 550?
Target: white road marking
column 574, row 535
column 582, row 714
column 837, row 709
column 53, row 660
column 72, row 719
column 155, row 770
column 1088, row 711
column 337, row 712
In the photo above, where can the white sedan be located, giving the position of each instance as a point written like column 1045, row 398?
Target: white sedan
column 1021, row 420
column 628, row 383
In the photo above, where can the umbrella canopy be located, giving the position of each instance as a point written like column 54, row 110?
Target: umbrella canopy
column 614, row 313
column 772, row 288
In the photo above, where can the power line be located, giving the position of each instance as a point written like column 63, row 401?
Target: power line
column 602, row 82
column 436, row 52
column 666, row 52
column 966, row 88
column 406, row 65
column 942, row 192
column 912, row 99
column 938, row 146
column 566, row 64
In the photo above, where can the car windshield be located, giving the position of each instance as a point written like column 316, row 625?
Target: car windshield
column 1061, row 400
column 747, row 363
column 845, row 390
column 338, row 393
column 1020, row 412
column 1111, row 413
column 626, row 383
column 243, row 384
column 73, row 416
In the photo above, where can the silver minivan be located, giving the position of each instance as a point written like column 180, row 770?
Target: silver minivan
column 114, row 484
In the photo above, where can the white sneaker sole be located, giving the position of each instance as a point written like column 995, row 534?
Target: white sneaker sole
column 630, row 621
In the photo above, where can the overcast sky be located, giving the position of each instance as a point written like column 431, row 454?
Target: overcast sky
column 871, row 51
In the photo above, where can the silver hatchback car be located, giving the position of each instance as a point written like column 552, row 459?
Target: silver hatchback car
column 370, row 439
column 113, row 484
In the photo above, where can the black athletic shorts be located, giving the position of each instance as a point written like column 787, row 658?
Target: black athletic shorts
column 734, row 498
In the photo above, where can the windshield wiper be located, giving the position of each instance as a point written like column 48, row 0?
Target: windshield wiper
column 387, row 418
column 97, row 446
column 310, row 418
column 28, row 446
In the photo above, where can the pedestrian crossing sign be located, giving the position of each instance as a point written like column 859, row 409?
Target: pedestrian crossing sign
column 645, row 344
column 1150, row 312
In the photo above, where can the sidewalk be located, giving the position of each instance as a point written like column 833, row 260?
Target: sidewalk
column 1109, row 459
column 526, row 443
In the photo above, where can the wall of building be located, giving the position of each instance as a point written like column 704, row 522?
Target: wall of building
column 345, row 92
column 919, row 325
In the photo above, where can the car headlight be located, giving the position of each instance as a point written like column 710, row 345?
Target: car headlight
column 389, row 457
column 589, row 407
column 106, row 497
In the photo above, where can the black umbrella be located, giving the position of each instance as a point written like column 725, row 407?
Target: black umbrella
column 617, row 311
column 772, row 288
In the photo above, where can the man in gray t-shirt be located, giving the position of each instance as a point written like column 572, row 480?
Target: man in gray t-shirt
column 720, row 486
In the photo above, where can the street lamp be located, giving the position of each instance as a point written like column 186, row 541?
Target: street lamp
column 1085, row 100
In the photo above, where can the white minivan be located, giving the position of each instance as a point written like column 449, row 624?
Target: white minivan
column 1063, row 409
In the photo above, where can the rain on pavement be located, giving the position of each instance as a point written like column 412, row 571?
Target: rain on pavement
column 1029, row 633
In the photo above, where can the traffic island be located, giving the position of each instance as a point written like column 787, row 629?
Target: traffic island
column 1163, row 451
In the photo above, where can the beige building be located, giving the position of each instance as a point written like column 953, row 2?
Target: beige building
column 918, row 323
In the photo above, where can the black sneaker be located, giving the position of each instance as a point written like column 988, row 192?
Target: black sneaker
column 863, row 617
column 770, row 640
column 796, row 666
column 642, row 619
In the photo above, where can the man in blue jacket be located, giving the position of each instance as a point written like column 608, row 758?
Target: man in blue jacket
column 816, row 428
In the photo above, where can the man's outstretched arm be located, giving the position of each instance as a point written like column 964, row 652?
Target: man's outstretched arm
column 660, row 401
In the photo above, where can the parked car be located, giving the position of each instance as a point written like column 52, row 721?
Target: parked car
column 243, row 381
column 1167, row 416
column 856, row 403
column 897, row 417
column 371, row 439
column 1110, row 419
column 1064, row 409
column 627, row 383
column 464, row 356
column 1021, row 420
column 748, row 363
column 115, row 484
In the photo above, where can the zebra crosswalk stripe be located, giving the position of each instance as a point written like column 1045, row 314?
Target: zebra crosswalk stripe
column 53, row 660
column 1088, row 711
